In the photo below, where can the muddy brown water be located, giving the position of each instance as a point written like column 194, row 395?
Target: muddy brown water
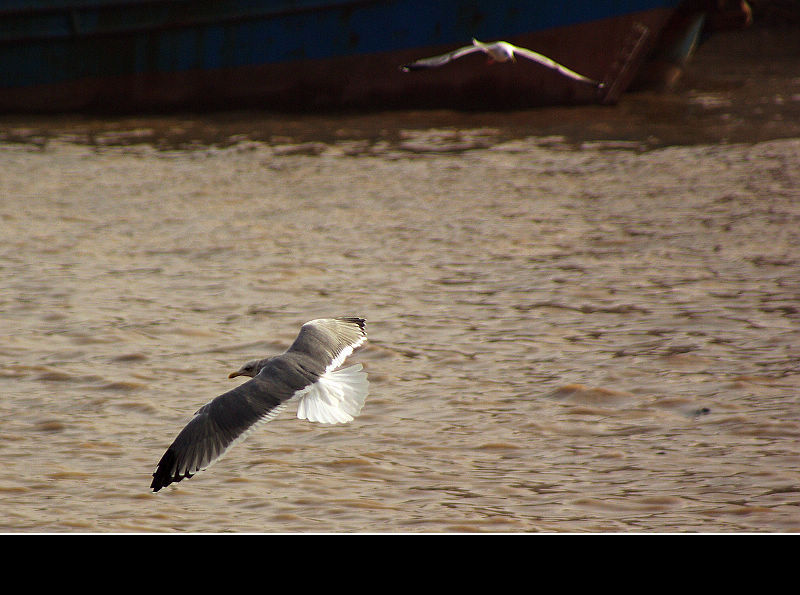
column 568, row 333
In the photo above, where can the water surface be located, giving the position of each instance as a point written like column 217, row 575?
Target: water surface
column 564, row 336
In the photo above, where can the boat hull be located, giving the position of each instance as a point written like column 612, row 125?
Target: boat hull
column 276, row 61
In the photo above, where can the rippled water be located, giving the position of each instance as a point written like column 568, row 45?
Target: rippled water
column 560, row 339
column 575, row 324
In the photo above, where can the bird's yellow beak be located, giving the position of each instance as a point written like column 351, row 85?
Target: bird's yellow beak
column 234, row 374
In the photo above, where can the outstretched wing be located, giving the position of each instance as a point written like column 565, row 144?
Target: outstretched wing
column 436, row 61
column 325, row 343
column 228, row 419
column 545, row 61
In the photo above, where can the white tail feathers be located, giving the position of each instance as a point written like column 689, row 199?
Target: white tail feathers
column 337, row 397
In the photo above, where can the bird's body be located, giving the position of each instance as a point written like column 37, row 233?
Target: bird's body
column 307, row 372
column 499, row 51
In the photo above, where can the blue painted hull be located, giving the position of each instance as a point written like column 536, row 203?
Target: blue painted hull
column 121, row 55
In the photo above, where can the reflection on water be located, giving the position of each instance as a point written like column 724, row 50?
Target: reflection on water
column 601, row 338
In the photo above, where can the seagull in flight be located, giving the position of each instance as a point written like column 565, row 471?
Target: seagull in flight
column 308, row 373
column 499, row 51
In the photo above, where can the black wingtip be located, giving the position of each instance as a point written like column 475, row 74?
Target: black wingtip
column 361, row 322
column 162, row 477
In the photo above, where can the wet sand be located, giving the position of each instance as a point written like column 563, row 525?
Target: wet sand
column 568, row 332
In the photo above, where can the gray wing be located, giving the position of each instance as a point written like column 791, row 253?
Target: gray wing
column 545, row 61
column 325, row 343
column 439, row 60
column 221, row 423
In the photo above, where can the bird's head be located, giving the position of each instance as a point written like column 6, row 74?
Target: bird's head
column 250, row 369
